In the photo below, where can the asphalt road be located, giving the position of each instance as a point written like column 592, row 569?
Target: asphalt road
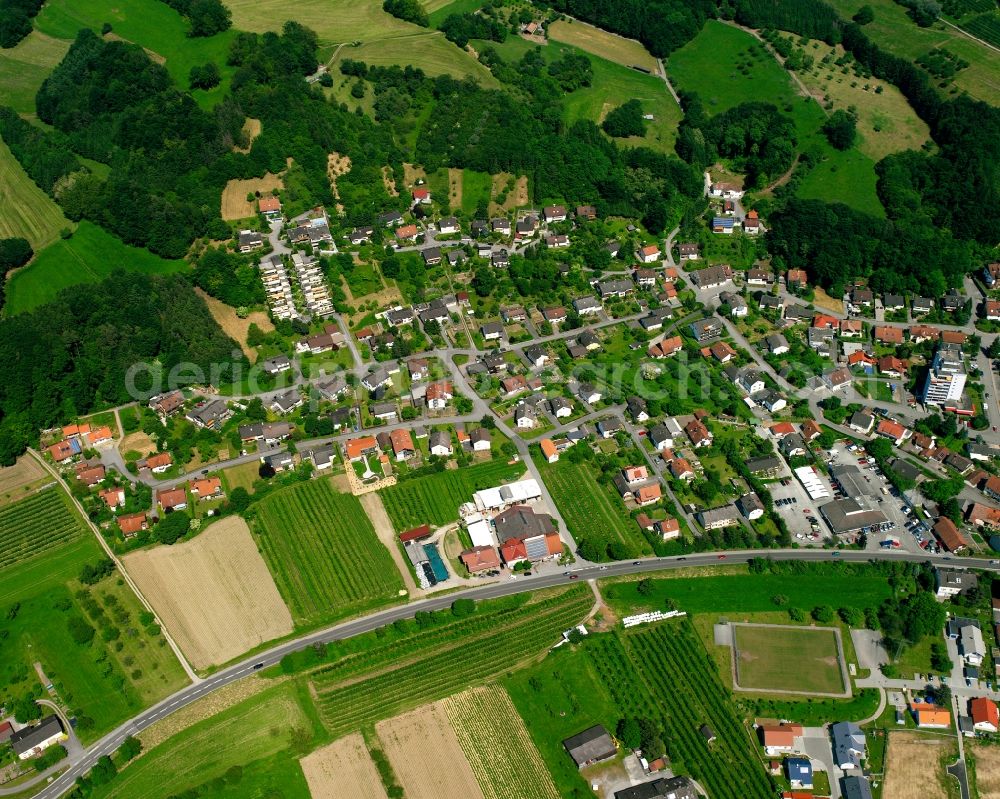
column 110, row 742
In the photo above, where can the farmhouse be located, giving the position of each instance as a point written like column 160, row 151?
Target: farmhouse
column 712, row 277
column 165, row 404
column 648, row 254
column 590, row 746
column 779, row 738
column 480, row 559
column 209, row 488
column 439, row 444
column 493, row 500
column 985, row 717
column 716, row 518
column 30, row 741
column 132, row 524
column 113, row 497
column 357, row 448
column 172, row 499
column 526, row 535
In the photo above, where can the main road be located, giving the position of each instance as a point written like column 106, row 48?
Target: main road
column 245, row 668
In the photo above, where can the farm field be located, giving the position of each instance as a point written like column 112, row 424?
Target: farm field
column 497, row 745
column 987, row 766
column 897, row 33
column 88, row 257
column 748, row 593
column 886, row 122
column 257, row 735
column 914, row 767
column 17, row 480
column 670, row 654
column 343, row 770
column 24, row 67
column 152, row 25
column 764, row 652
column 476, row 190
column 590, row 509
column 430, row 52
column 426, row 756
column 388, row 680
column 437, row 10
column 846, row 177
column 25, row 210
column 627, row 52
column 434, row 499
column 323, row 552
column 213, row 593
column 32, row 527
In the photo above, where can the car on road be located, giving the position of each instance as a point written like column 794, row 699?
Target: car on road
column 722, row 557
column 681, row 559
column 258, row 666
column 574, row 577
column 836, row 554
column 636, row 562
column 603, row 568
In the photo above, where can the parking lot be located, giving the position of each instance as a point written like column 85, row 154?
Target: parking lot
column 799, row 511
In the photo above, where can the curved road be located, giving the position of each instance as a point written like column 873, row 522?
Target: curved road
column 110, row 742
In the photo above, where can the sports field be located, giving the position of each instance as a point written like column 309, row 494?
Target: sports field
column 323, row 552
column 765, row 654
column 25, row 210
column 151, row 24
column 434, row 499
column 592, row 511
column 88, row 257
column 25, row 66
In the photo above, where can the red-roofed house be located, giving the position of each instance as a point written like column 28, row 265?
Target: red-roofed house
column 132, row 524
column 207, row 488
column 647, row 495
column 891, row 366
column 985, row 716
column 669, row 528
column 172, row 499
column 722, row 352
column 357, row 448
column 100, row 436
column 888, row 334
column 269, row 206
column 406, row 232
column 948, row 534
column 782, row 429
column 796, row 279
column 810, row 430
column 438, row 394
column 113, row 497
column 479, row 559
column 681, row 469
column 648, row 254
column 422, row 195
column 894, row 431
column 549, row 450
column 824, row 321
column 779, row 738
column 90, row 474
column 159, row 462
column 928, row 715
column 953, row 337
column 666, row 348
column 63, row 450
column 851, row 328
column 402, row 444
column 75, row 430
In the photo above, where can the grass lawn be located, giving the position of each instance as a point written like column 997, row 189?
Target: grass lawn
column 915, row 659
column 751, row 73
column 88, row 257
column 477, row 188
column 24, row 67
column 627, row 52
column 428, row 51
column 434, row 499
column 323, row 552
column 592, row 511
column 765, row 654
column 438, row 10
column 154, row 26
column 751, row 593
column 243, row 476
column 363, row 279
column 897, row 33
column 262, row 735
column 25, row 210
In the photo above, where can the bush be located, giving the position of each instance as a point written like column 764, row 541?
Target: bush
column 841, row 129
column 206, row 76
column 172, row 527
column 408, row 10
column 625, row 120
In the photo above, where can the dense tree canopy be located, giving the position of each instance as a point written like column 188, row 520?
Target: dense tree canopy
column 15, row 20
column 71, row 356
column 625, row 120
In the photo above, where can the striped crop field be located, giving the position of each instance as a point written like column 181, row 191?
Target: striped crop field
column 323, row 552
column 35, row 525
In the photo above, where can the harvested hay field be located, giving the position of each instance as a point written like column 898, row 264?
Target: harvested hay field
column 823, row 300
column 389, row 181
column 497, row 744
column 213, row 593
column 627, row 52
column 137, row 442
column 343, row 770
column 987, row 759
column 17, row 480
column 455, row 188
column 251, row 129
column 233, row 326
column 914, row 766
column 234, row 196
column 426, row 756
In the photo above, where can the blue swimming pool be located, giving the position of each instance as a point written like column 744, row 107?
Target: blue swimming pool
column 437, row 565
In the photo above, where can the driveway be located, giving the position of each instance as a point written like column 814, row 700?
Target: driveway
column 868, row 647
column 817, row 745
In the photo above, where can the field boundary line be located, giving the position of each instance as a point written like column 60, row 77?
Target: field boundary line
column 964, row 32
column 120, row 566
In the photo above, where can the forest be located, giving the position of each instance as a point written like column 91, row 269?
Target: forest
column 72, row 356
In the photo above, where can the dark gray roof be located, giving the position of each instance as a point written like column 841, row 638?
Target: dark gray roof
column 765, row 464
column 661, row 788
column 591, row 745
column 522, row 522
column 26, row 739
column 855, row 788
